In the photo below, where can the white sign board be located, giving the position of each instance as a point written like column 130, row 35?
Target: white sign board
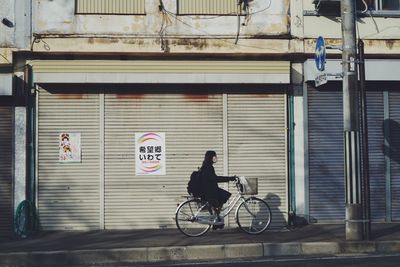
column 321, row 79
column 150, row 153
column 69, row 147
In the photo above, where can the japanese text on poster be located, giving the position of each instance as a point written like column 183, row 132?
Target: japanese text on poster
column 69, row 147
column 150, row 153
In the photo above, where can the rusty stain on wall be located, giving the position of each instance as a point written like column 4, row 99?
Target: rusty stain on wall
column 390, row 43
column 70, row 96
column 133, row 41
column 129, row 96
column 196, row 97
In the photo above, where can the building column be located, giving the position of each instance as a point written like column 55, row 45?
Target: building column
column 19, row 155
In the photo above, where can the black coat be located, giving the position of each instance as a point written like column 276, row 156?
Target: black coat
column 212, row 193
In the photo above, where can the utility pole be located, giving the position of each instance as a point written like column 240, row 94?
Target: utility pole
column 365, row 150
column 354, row 222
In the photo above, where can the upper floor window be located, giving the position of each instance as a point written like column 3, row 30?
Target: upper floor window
column 111, row 7
column 208, row 7
column 374, row 7
column 388, row 4
column 378, row 4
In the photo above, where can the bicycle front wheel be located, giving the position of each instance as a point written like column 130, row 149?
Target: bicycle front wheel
column 253, row 216
column 188, row 217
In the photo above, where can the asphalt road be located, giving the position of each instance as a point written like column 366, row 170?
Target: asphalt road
column 352, row 261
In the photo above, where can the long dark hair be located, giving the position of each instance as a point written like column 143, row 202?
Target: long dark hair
column 208, row 158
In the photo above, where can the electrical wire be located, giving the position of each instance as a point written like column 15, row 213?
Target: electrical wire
column 207, row 33
column 373, row 19
column 238, row 7
column 268, row 6
column 262, row 10
column 166, row 22
column 366, row 7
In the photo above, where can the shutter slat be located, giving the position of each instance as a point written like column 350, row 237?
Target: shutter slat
column 325, row 139
column 394, row 142
column 112, row 7
column 68, row 195
column 190, row 128
column 207, row 7
column 257, row 148
column 6, row 137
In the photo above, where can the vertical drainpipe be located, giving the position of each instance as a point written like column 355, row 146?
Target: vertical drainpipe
column 291, row 163
column 31, row 137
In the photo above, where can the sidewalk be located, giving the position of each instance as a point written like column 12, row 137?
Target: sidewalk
column 133, row 246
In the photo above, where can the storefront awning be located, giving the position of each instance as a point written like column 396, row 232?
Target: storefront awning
column 161, row 71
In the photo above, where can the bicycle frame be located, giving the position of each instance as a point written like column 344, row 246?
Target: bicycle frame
column 207, row 219
column 248, row 214
column 232, row 204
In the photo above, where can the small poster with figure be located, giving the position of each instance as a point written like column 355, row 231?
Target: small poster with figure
column 150, row 153
column 69, row 148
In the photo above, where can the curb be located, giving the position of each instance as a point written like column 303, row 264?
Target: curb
column 193, row 253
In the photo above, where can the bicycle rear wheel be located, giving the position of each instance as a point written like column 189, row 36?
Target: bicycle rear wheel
column 253, row 216
column 187, row 218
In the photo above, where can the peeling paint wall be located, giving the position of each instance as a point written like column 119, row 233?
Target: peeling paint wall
column 7, row 33
column 16, row 32
column 269, row 18
column 381, row 35
column 368, row 27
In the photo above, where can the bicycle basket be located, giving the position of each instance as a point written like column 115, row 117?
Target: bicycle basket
column 249, row 186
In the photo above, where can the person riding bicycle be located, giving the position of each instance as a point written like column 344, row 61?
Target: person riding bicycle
column 209, row 180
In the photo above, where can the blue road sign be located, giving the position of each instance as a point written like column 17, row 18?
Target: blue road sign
column 320, row 53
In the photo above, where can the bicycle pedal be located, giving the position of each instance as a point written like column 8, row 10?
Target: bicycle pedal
column 216, row 222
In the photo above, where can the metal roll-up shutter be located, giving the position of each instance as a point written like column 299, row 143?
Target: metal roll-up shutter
column 325, row 132
column 257, row 146
column 394, row 143
column 68, row 193
column 6, row 140
column 325, row 139
column 375, row 114
column 192, row 124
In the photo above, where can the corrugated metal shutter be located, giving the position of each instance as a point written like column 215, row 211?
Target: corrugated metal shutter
column 394, row 142
column 207, row 7
column 192, row 123
column 375, row 113
column 68, row 193
column 161, row 66
column 325, row 139
column 6, row 137
column 326, row 174
column 110, row 6
column 257, row 146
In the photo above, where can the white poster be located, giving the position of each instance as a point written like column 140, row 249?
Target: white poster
column 150, row 153
column 69, row 147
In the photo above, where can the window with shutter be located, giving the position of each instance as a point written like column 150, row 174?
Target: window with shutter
column 111, row 7
column 208, row 7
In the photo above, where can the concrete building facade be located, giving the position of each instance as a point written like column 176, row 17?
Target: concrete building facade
column 236, row 77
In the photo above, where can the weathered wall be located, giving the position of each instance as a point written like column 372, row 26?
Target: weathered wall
column 368, row 27
column 16, row 32
column 57, row 17
column 58, row 29
column 381, row 34
column 7, row 33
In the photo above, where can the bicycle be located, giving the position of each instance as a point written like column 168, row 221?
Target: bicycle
column 194, row 217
